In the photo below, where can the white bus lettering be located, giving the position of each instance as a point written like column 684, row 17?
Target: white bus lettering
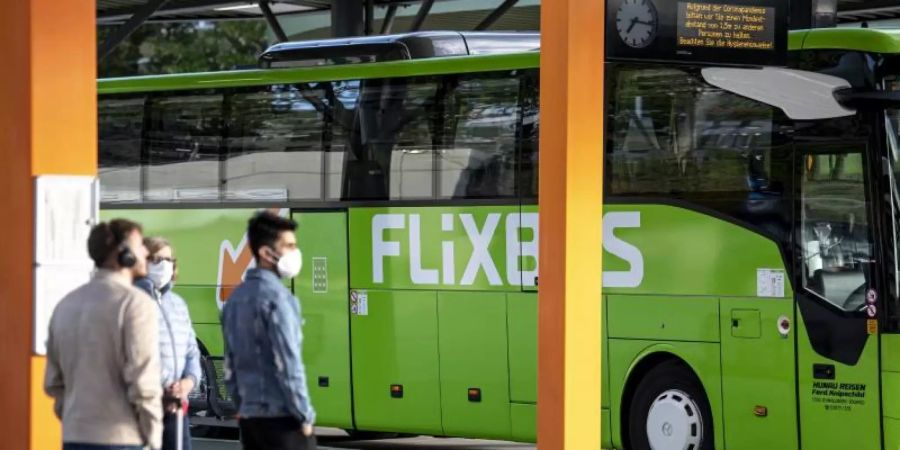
column 481, row 258
column 631, row 254
column 382, row 248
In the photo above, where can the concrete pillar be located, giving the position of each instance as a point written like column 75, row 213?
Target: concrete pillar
column 347, row 18
column 48, row 125
column 571, row 223
column 813, row 14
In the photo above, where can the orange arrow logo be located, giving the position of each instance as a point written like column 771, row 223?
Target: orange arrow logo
column 233, row 264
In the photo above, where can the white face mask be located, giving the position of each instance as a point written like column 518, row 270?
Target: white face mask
column 161, row 273
column 289, row 264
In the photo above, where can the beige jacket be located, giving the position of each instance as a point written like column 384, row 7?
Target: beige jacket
column 103, row 364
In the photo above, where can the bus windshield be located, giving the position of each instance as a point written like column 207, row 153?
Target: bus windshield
column 892, row 127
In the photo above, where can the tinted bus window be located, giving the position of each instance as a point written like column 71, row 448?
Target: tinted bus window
column 184, row 143
column 672, row 136
column 527, row 173
column 390, row 139
column 479, row 158
column 274, row 145
column 121, row 123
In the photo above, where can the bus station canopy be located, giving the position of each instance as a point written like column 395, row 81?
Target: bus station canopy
column 118, row 11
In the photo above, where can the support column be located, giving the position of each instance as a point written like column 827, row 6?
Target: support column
column 571, row 223
column 813, row 14
column 571, row 208
column 48, row 125
column 347, row 18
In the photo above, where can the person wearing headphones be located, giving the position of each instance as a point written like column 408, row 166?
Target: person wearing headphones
column 179, row 354
column 103, row 369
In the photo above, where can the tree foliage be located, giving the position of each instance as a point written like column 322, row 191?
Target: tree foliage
column 179, row 47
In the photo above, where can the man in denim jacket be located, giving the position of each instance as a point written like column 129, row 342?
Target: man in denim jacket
column 264, row 370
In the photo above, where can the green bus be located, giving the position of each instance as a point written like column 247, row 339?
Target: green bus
column 750, row 233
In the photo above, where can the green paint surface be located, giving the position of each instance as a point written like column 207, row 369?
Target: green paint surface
column 523, row 418
column 473, row 355
column 260, row 77
column 821, row 424
column 891, row 434
column 323, row 292
column 211, row 336
column 397, row 344
column 871, row 40
column 664, row 319
column 198, row 236
column 757, row 371
column 523, row 341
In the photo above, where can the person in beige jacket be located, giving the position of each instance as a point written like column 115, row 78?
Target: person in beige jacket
column 103, row 367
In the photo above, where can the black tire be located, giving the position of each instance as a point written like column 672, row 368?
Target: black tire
column 665, row 378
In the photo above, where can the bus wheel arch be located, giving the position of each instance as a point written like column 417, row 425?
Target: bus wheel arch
column 646, row 379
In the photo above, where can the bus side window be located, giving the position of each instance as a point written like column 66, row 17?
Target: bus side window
column 478, row 159
column 836, row 243
column 391, row 141
column 275, row 144
column 183, row 148
column 121, row 123
column 528, row 151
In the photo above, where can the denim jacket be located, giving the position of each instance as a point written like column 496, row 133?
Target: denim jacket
column 264, row 370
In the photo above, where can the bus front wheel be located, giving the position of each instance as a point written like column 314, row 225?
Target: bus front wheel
column 670, row 411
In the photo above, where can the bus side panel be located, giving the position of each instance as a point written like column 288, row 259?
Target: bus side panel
column 201, row 302
column 323, row 292
column 523, row 419
column 836, row 397
column 522, row 324
column 210, row 334
column 473, row 355
column 663, row 318
column 890, row 385
column 702, row 357
column 396, row 384
column 758, row 372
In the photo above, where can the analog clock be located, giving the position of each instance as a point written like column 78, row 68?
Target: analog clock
column 636, row 21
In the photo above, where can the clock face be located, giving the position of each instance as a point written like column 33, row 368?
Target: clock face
column 636, row 22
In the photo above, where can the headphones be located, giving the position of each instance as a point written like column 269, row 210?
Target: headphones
column 124, row 256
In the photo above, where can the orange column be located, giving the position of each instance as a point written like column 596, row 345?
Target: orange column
column 571, row 208
column 48, row 125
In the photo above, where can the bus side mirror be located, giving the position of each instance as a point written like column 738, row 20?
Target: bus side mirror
column 867, row 99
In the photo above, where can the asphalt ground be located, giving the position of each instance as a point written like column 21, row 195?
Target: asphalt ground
column 335, row 439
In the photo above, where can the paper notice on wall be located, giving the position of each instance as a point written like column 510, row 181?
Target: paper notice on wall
column 770, row 283
column 66, row 207
column 52, row 282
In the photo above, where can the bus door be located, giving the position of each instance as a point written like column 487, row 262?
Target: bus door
column 323, row 290
column 836, row 287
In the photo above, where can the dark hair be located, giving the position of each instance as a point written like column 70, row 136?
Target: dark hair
column 107, row 237
column 264, row 228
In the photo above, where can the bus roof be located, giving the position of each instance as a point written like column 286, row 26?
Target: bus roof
column 871, row 40
column 861, row 39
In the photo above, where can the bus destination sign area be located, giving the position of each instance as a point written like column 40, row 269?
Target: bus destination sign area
column 723, row 32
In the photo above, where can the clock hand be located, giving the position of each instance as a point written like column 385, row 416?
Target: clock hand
column 633, row 23
column 644, row 23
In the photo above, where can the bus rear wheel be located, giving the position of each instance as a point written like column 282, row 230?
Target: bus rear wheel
column 670, row 411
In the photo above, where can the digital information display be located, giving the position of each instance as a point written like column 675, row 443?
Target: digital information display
column 720, row 32
column 716, row 25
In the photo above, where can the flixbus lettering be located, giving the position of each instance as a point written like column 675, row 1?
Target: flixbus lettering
column 495, row 249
